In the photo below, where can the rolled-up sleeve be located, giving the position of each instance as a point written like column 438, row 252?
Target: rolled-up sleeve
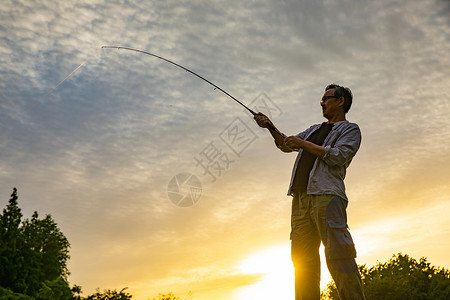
column 341, row 152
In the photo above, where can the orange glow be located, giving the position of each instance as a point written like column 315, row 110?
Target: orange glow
column 277, row 282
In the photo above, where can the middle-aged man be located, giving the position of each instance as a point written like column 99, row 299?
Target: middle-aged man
column 319, row 200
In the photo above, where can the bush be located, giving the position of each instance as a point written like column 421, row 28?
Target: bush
column 402, row 277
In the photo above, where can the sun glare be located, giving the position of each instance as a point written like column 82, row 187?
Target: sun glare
column 277, row 281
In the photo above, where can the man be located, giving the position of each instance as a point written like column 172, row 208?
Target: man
column 319, row 200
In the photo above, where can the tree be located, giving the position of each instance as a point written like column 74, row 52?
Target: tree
column 7, row 294
column 170, row 296
column 33, row 254
column 54, row 289
column 110, row 295
column 402, row 277
column 11, row 241
column 46, row 246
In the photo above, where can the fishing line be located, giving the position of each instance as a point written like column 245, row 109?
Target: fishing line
column 193, row 73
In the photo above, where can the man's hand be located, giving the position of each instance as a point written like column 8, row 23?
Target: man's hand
column 263, row 121
column 293, row 142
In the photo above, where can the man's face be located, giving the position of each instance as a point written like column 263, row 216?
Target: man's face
column 330, row 104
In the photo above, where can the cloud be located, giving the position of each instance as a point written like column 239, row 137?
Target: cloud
column 405, row 233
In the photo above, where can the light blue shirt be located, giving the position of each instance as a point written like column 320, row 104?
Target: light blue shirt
column 327, row 174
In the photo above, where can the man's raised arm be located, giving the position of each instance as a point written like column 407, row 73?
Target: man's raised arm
column 263, row 121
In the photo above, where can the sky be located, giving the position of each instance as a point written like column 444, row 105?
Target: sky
column 162, row 183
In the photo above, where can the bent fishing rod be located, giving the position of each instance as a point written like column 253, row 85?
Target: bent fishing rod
column 269, row 126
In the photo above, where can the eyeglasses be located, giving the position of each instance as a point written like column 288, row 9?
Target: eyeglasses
column 325, row 98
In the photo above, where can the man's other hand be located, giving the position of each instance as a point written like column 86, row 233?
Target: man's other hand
column 262, row 120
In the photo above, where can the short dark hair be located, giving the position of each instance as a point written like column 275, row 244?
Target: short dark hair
column 341, row 91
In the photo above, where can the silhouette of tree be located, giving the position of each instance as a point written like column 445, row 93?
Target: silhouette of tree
column 169, row 296
column 110, row 295
column 10, row 295
column 402, row 277
column 11, row 241
column 33, row 255
column 54, row 289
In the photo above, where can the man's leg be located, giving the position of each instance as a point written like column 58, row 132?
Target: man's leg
column 340, row 251
column 305, row 243
column 348, row 282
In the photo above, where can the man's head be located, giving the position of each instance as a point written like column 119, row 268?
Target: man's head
column 336, row 102
column 340, row 91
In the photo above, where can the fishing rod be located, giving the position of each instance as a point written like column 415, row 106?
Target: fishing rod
column 270, row 126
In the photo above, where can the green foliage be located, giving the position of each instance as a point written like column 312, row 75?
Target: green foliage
column 47, row 246
column 76, row 292
column 169, row 296
column 11, row 241
column 330, row 293
column 402, row 277
column 110, row 295
column 7, row 294
column 55, row 289
column 33, row 255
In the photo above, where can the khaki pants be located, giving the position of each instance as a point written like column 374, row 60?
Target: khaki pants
column 316, row 219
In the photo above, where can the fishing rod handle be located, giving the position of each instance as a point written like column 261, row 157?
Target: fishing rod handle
column 271, row 127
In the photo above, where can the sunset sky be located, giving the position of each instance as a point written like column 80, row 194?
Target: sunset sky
column 100, row 147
